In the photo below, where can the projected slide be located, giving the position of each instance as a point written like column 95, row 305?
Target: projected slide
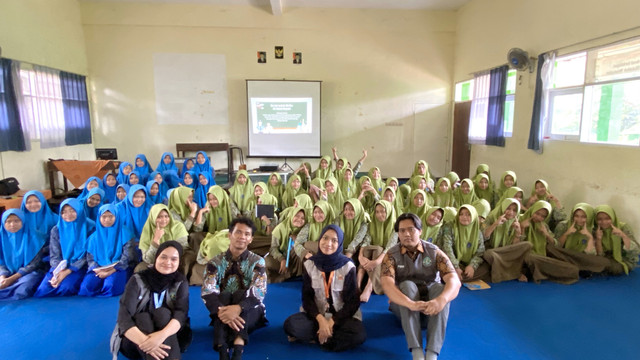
column 281, row 115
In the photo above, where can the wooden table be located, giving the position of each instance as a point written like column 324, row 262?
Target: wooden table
column 14, row 201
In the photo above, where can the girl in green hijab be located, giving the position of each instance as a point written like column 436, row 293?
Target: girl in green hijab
column 615, row 241
column 506, row 253
column 541, row 191
column 301, row 201
column 240, row 192
column 482, row 188
column 443, row 195
column 420, row 169
column 502, row 225
column 507, row 180
column 375, row 176
column 348, row 184
column 211, row 246
column 158, row 228
column 536, row 231
column 324, row 170
column 282, row 262
column 306, row 244
column 389, row 194
column 484, row 169
column 317, row 190
column 334, row 195
column 182, row 207
column 354, row 222
column 379, row 239
column 514, row 192
column 418, row 203
column 217, row 214
column 293, row 189
column 576, row 243
column 276, row 188
column 465, row 194
column 463, row 243
column 454, row 179
column 431, row 224
column 483, row 208
column 367, row 194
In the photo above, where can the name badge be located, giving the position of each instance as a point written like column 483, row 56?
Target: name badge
column 400, row 266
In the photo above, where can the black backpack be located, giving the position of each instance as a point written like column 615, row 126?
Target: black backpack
column 9, row 186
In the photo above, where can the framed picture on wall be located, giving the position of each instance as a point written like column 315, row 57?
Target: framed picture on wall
column 262, row 57
column 297, row 58
column 279, row 52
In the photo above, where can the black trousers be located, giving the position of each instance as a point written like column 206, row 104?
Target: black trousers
column 347, row 335
column 149, row 322
column 224, row 335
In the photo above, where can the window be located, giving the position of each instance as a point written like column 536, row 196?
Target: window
column 464, row 92
column 42, row 110
column 595, row 95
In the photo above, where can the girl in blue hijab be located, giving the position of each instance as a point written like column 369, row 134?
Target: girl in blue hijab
column 92, row 203
column 189, row 179
column 91, row 183
column 121, row 193
column 134, row 178
column 108, row 255
column 143, row 168
column 160, row 180
column 155, row 196
column 204, row 183
column 167, row 167
column 38, row 217
column 203, row 165
column 123, row 172
column 135, row 209
column 67, row 251
column 109, row 185
column 187, row 165
column 21, row 254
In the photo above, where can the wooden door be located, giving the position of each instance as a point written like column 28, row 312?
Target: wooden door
column 461, row 151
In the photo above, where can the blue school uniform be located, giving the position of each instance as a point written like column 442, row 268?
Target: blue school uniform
column 205, row 167
column 68, row 242
column 22, row 252
column 108, row 246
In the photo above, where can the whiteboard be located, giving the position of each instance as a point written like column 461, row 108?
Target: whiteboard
column 191, row 88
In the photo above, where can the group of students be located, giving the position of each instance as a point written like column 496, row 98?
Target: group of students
column 117, row 227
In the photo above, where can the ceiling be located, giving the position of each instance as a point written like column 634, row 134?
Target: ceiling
column 278, row 6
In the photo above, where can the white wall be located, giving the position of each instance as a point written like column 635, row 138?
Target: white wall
column 486, row 30
column 386, row 75
column 46, row 33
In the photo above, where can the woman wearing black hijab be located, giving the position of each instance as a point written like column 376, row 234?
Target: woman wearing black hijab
column 153, row 320
column 330, row 298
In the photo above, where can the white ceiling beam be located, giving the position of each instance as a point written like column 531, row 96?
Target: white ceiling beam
column 277, row 7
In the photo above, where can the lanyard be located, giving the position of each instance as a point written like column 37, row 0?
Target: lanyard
column 327, row 284
column 158, row 299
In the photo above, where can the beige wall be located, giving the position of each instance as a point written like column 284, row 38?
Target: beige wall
column 48, row 33
column 576, row 172
column 386, row 75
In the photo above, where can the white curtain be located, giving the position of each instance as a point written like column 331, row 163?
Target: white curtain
column 40, row 102
column 479, row 107
column 547, row 84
